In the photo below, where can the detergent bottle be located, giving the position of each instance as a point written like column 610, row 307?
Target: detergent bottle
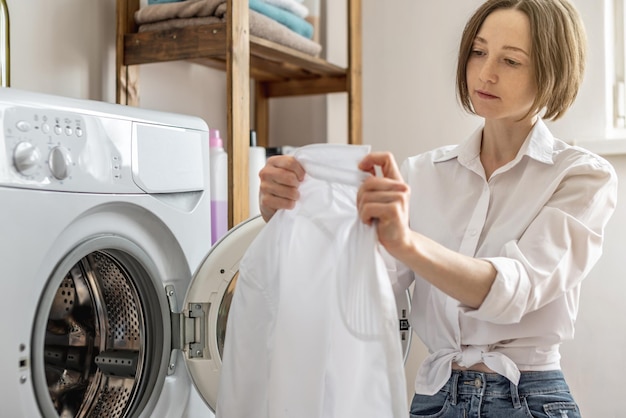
column 219, row 186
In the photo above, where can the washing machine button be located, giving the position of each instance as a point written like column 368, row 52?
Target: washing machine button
column 23, row 126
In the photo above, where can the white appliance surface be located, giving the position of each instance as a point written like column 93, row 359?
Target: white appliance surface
column 105, row 217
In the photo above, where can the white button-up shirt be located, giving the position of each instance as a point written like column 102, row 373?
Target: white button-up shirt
column 313, row 326
column 539, row 220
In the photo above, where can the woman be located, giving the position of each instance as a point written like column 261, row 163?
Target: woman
column 498, row 232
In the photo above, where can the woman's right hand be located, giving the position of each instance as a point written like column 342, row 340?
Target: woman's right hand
column 280, row 178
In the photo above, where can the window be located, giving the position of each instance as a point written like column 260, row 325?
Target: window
column 617, row 44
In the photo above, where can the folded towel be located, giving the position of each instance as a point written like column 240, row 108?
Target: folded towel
column 293, row 22
column 267, row 28
column 204, row 8
column 164, row 1
column 291, row 6
column 260, row 26
column 183, row 9
column 179, row 22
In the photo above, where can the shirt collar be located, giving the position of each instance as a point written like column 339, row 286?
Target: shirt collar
column 538, row 145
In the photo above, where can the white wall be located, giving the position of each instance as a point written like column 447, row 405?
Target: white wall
column 409, row 52
column 66, row 50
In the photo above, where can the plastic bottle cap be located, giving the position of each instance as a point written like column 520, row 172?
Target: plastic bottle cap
column 215, row 141
column 253, row 138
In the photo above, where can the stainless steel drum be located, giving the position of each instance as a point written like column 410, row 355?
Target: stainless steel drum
column 104, row 347
column 93, row 353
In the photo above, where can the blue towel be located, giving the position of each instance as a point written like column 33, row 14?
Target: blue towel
column 293, row 22
column 162, row 1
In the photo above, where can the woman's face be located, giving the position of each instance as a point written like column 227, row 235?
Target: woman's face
column 500, row 76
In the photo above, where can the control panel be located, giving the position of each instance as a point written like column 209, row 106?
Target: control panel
column 43, row 145
column 52, row 149
column 69, row 145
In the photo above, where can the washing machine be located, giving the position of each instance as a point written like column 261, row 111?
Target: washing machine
column 115, row 303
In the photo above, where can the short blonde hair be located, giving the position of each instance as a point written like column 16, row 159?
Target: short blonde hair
column 558, row 52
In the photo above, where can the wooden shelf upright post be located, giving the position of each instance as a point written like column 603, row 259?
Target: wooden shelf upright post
column 238, row 97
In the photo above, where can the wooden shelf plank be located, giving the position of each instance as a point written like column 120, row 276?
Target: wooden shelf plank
column 269, row 61
column 323, row 85
column 175, row 44
column 272, row 51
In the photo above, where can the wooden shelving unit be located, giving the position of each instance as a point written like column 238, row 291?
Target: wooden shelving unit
column 278, row 71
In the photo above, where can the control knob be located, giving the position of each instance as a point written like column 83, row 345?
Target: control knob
column 26, row 158
column 59, row 161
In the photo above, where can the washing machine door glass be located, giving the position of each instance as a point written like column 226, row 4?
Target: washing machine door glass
column 208, row 301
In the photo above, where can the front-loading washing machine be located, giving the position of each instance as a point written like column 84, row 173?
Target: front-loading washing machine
column 115, row 302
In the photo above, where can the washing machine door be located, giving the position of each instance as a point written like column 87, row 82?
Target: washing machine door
column 208, row 301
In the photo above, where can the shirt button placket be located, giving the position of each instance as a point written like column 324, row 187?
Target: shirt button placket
column 476, row 224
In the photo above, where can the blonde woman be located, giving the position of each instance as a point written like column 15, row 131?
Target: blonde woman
column 498, row 232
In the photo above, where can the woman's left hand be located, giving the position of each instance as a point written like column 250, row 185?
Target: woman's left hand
column 384, row 201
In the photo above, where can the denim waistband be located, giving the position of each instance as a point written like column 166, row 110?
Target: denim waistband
column 494, row 385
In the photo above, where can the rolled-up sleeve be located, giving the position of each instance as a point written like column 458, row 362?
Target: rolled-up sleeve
column 558, row 248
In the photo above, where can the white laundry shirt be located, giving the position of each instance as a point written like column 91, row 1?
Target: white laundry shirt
column 313, row 327
column 539, row 220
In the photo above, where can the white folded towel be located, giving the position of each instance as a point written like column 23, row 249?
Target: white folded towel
column 292, row 6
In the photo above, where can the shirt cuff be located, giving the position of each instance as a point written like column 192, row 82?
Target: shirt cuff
column 508, row 297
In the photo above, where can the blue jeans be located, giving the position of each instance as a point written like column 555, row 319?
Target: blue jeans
column 469, row 394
